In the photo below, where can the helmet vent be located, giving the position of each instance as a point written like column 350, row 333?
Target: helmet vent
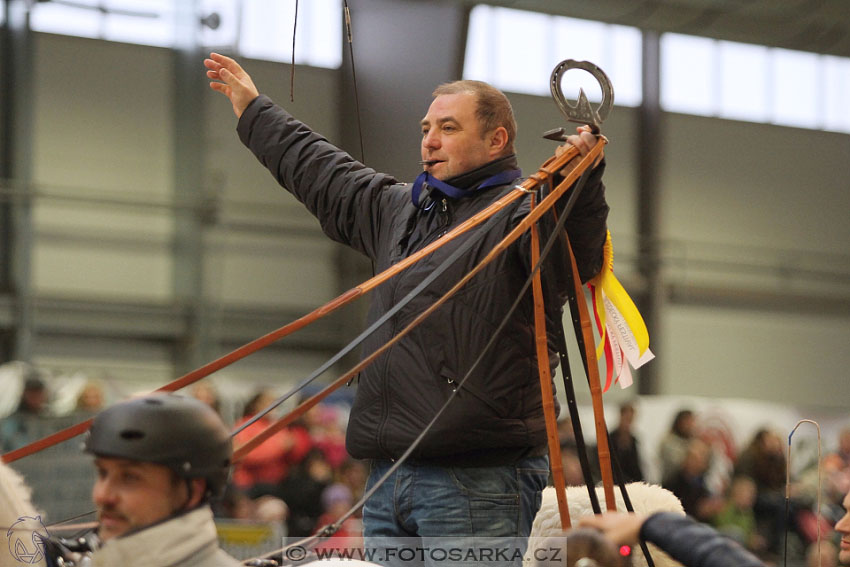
column 132, row 434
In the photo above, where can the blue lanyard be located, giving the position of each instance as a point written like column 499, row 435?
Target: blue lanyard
column 425, row 179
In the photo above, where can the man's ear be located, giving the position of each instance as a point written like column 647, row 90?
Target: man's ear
column 198, row 486
column 498, row 140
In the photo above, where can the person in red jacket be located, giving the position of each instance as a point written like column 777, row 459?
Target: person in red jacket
column 268, row 464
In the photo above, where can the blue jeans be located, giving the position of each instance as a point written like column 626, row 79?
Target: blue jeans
column 439, row 510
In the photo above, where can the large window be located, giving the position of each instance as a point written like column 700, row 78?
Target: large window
column 754, row 83
column 253, row 28
column 516, row 51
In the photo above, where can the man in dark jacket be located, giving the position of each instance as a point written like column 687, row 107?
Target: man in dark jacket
column 481, row 468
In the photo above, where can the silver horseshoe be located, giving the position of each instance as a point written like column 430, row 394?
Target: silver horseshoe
column 582, row 111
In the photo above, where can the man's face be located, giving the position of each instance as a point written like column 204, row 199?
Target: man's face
column 843, row 528
column 130, row 495
column 452, row 135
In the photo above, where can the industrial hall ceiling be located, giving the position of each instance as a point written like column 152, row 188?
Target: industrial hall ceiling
column 820, row 26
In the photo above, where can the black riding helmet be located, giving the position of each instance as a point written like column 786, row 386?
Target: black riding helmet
column 182, row 433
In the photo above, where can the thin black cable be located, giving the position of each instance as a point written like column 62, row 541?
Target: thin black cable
column 66, row 520
column 354, row 77
column 572, row 408
column 292, row 66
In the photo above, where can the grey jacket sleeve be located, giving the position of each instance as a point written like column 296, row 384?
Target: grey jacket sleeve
column 694, row 544
column 346, row 196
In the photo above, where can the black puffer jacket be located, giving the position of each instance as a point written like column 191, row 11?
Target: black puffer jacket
column 497, row 416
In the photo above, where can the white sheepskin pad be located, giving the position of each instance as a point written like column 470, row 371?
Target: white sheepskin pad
column 645, row 498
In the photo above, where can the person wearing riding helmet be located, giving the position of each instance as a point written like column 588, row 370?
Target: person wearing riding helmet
column 159, row 460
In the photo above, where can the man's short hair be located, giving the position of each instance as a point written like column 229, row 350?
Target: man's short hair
column 493, row 109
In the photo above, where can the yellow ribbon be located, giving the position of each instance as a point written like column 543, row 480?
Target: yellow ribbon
column 605, row 281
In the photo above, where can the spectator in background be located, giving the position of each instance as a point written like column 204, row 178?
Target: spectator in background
column 327, row 433
column 624, row 445
column 570, row 463
column 207, row 393
column 688, row 483
column 737, row 519
column 337, row 500
column 262, row 470
column 837, row 465
column 836, row 477
column 302, row 491
column 843, row 452
column 21, row 427
column 353, row 473
column 763, row 460
column 234, row 504
column 830, row 478
column 823, row 555
column 674, row 445
column 90, row 399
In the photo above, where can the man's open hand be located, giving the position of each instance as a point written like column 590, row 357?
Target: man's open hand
column 231, row 80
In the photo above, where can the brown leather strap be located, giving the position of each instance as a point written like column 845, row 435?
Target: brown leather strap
column 547, row 396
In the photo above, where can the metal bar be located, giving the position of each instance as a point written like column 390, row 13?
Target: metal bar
column 16, row 164
column 649, row 217
column 189, row 154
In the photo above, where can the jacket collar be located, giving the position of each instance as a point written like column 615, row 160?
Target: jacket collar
column 475, row 177
column 166, row 543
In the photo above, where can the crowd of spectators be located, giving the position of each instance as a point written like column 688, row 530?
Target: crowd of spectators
column 739, row 491
column 755, row 504
column 302, row 472
column 303, row 478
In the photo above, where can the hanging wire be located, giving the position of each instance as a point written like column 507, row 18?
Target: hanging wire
column 347, row 14
column 292, row 66
column 788, row 489
column 353, row 76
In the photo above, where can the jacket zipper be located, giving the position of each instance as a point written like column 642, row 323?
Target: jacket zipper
column 441, row 231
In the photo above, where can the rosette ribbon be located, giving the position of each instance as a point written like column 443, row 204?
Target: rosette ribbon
column 623, row 338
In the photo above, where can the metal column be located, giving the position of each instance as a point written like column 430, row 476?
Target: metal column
column 189, row 150
column 16, row 113
column 651, row 300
